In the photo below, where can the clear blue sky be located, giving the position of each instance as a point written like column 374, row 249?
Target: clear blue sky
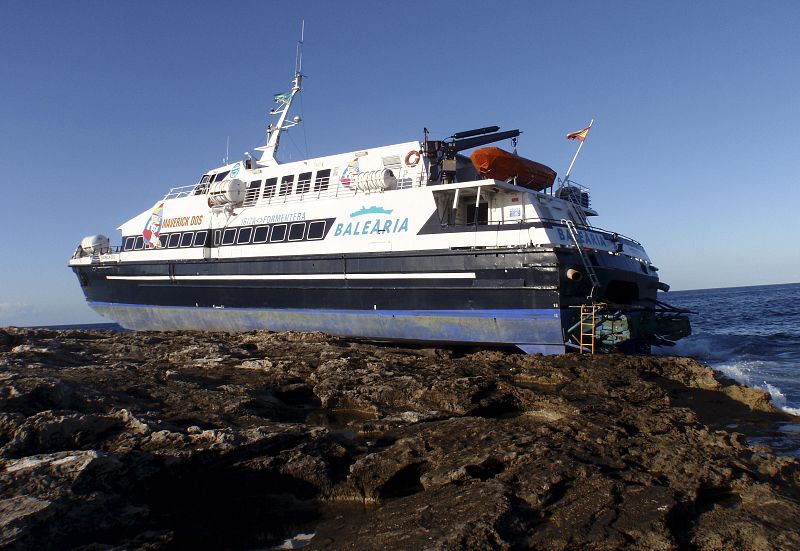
column 694, row 152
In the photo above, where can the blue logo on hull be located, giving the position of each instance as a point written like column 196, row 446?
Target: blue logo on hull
column 371, row 210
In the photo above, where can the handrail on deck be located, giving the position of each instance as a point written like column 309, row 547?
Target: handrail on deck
column 409, row 179
column 553, row 221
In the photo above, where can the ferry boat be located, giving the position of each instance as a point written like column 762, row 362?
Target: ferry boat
column 408, row 242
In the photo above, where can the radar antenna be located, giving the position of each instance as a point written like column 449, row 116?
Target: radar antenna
column 283, row 103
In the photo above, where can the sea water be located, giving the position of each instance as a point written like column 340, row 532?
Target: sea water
column 750, row 334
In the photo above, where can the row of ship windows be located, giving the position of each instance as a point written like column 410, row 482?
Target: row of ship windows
column 277, row 233
column 271, row 187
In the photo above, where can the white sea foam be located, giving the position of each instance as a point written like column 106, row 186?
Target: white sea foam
column 738, row 371
column 779, row 399
column 744, row 372
column 702, row 347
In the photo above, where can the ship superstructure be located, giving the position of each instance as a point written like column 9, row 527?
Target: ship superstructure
column 407, row 242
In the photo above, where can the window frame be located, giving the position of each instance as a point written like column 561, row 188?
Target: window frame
column 229, row 231
column 266, row 236
column 197, row 235
column 270, row 187
column 316, row 223
column 321, row 180
column 303, row 185
column 293, row 225
column 252, row 194
column 239, row 235
column 272, row 233
column 287, row 185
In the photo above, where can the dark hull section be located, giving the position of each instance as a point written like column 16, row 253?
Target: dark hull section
column 502, row 296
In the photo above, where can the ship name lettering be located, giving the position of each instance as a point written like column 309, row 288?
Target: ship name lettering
column 182, row 221
column 584, row 238
column 371, row 227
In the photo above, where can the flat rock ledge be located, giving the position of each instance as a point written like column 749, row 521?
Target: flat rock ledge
column 192, row 440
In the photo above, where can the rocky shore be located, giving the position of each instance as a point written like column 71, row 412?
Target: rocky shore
column 242, row 441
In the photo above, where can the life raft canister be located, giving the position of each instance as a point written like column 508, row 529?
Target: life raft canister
column 412, row 158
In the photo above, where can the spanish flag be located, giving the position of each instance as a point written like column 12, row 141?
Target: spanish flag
column 580, row 135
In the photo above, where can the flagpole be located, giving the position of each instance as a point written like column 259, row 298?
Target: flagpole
column 566, row 176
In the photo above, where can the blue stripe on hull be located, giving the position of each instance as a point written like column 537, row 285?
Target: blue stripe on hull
column 533, row 330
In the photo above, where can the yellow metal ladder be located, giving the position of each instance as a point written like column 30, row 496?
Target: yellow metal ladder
column 587, row 326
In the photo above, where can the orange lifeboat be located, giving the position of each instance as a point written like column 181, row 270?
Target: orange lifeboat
column 497, row 164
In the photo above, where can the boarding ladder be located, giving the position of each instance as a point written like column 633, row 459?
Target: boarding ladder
column 573, row 232
column 588, row 322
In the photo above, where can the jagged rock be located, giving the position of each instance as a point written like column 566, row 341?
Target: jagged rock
column 215, row 440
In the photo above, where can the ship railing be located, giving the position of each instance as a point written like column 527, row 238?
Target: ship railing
column 112, row 249
column 570, row 182
column 335, row 189
column 546, row 222
column 572, row 191
column 406, row 178
column 183, row 191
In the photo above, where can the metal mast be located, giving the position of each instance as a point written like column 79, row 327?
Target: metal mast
column 284, row 103
column 581, row 140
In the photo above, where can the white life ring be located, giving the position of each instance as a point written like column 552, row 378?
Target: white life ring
column 412, row 158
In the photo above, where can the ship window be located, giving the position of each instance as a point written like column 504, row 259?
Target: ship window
column 261, row 234
column 269, row 186
column 278, row 233
column 200, row 238
column 128, row 243
column 478, row 215
column 202, row 185
column 162, row 240
column 186, row 239
column 296, row 231
column 251, row 196
column 286, row 185
column 228, row 236
column 139, row 243
column 323, row 178
column 173, row 240
column 303, row 182
column 217, row 236
column 221, row 176
column 244, row 235
column 316, row 230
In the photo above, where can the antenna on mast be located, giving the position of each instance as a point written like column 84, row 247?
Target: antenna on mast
column 284, row 102
column 298, row 58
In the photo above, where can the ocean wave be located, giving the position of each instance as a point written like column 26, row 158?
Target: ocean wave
column 744, row 373
column 748, row 361
column 779, row 399
column 711, row 347
column 749, row 334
